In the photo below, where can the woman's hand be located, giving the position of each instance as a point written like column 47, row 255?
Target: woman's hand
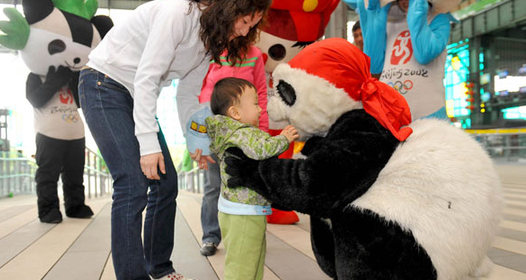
column 149, row 164
column 201, row 160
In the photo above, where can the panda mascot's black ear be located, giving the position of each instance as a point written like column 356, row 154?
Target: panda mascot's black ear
column 36, row 10
column 102, row 23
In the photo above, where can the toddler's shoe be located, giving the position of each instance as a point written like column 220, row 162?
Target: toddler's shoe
column 208, row 249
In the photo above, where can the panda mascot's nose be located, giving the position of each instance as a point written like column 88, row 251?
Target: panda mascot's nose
column 76, row 60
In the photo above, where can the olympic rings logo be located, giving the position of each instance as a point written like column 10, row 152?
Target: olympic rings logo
column 70, row 118
column 402, row 87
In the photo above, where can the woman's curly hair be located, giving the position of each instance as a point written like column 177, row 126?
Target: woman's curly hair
column 217, row 22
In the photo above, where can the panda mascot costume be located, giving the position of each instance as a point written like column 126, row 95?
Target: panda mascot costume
column 291, row 26
column 54, row 40
column 388, row 199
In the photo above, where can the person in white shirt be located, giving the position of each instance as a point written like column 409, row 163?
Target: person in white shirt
column 161, row 40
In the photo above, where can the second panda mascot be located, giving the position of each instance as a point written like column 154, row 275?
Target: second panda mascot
column 54, row 40
column 388, row 199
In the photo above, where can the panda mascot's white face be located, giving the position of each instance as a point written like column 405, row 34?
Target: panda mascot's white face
column 309, row 103
column 60, row 38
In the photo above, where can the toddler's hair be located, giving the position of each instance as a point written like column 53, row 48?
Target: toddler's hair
column 226, row 93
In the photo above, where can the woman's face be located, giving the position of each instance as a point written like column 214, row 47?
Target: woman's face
column 243, row 24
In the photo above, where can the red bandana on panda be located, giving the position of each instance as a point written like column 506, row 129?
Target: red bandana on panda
column 346, row 67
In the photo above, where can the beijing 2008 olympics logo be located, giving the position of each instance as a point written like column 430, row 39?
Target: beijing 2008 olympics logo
column 402, row 87
column 402, row 48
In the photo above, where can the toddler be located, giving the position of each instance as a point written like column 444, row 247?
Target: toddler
column 242, row 212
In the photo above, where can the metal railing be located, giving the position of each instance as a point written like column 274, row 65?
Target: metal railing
column 503, row 146
column 97, row 179
column 192, row 181
column 17, row 175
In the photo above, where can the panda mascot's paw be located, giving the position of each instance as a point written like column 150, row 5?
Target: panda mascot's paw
column 80, row 211
column 243, row 171
column 59, row 76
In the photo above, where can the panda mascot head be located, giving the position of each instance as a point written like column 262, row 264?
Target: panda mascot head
column 388, row 198
column 54, row 33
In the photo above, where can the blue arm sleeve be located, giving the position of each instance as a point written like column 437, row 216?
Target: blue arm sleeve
column 428, row 40
column 351, row 3
column 373, row 22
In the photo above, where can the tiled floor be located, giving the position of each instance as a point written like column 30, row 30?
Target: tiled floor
column 80, row 249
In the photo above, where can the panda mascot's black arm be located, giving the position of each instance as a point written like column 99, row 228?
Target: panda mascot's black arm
column 73, row 85
column 354, row 151
column 38, row 93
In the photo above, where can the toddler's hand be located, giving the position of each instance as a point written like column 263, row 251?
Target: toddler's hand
column 290, row 132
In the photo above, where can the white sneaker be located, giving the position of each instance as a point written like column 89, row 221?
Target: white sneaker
column 174, row 276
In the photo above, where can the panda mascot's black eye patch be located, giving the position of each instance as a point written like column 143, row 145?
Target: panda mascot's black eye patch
column 56, row 46
column 287, row 92
column 277, row 52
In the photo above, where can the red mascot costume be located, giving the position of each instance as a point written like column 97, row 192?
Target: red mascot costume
column 292, row 25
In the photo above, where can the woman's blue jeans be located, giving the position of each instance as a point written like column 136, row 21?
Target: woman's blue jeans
column 209, row 222
column 108, row 110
